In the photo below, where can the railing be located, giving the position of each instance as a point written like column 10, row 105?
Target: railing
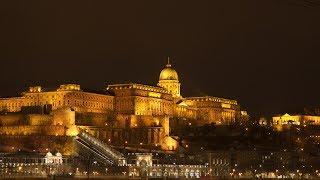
column 99, row 148
column 98, row 156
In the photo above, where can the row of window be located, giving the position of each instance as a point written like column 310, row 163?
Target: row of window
column 17, row 106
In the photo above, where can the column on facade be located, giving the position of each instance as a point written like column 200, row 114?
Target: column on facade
column 158, row 136
column 149, row 136
column 152, row 136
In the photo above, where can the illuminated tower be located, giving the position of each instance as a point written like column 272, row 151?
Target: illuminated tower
column 169, row 80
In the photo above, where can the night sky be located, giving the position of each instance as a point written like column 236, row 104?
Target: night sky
column 264, row 53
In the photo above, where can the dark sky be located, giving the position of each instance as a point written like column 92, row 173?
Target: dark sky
column 264, row 53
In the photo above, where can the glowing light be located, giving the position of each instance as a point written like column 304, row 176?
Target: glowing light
column 153, row 94
column 72, row 131
column 227, row 106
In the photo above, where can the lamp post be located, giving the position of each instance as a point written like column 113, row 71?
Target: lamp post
column 89, row 164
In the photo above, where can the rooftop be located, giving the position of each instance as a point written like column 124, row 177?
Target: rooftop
column 213, row 99
column 138, row 86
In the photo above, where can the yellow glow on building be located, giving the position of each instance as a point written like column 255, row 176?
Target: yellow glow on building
column 169, row 80
column 287, row 119
column 156, row 122
column 170, row 144
column 140, row 107
column 244, row 113
column 295, row 119
column 72, row 131
column 35, row 89
column 69, row 87
column 223, row 105
column 153, row 94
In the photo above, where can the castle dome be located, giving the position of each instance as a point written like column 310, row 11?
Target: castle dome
column 168, row 73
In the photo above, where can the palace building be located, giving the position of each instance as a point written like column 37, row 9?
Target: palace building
column 134, row 114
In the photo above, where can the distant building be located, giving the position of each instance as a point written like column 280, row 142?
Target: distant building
column 296, row 120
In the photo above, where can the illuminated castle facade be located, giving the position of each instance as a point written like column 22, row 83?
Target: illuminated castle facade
column 124, row 113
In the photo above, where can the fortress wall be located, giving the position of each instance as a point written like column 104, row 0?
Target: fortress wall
column 64, row 117
column 94, row 119
column 63, row 144
column 33, row 130
column 59, row 117
column 39, row 119
column 137, row 121
column 123, row 121
column 12, row 120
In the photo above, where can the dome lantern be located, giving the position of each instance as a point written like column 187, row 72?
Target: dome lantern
column 168, row 64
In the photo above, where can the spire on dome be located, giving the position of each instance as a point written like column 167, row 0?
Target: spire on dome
column 168, row 64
